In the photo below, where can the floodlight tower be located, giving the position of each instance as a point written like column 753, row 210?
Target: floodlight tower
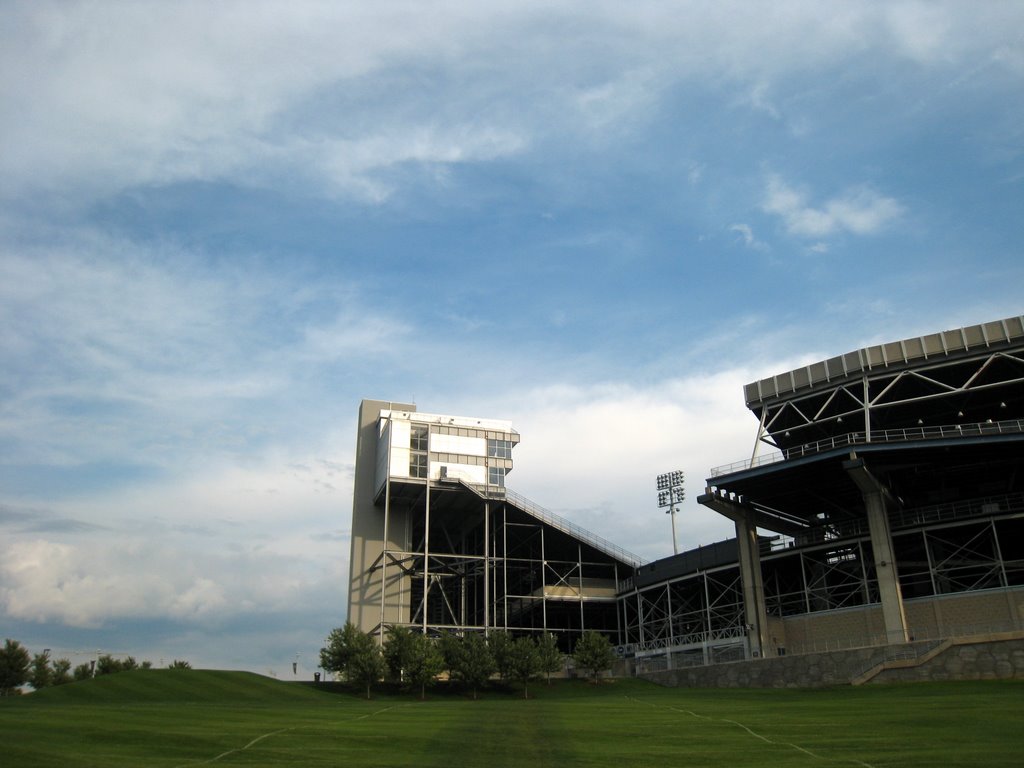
column 670, row 493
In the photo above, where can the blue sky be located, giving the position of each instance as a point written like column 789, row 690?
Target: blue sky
column 222, row 225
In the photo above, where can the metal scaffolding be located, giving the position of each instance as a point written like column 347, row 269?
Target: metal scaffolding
column 480, row 559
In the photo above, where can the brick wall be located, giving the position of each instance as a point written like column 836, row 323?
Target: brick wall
column 929, row 617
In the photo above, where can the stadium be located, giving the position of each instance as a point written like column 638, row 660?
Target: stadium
column 879, row 519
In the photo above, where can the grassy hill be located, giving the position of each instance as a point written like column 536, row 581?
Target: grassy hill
column 179, row 686
column 181, row 718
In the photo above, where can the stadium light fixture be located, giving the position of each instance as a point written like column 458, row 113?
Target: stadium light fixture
column 671, row 492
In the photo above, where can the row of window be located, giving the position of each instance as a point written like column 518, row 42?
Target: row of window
column 418, row 468
column 490, row 434
column 417, row 465
column 419, row 437
column 420, row 432
column 464, row 458
column 496, row 476
column 499, row 449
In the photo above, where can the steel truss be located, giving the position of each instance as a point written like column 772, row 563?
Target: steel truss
column 478, row 563
column 823, row 578
column 881, row 400
column 695, row 613
column 689, row 614
column 961, row 558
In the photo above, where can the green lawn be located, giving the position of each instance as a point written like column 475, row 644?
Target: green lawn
column 166, row 718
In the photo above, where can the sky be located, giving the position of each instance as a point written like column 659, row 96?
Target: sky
column 222, row 225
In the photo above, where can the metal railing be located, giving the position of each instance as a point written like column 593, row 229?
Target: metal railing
column 555, row 521
column 984, row 506
column 572, row 529
column 955, row 510
column 923, row 641
column 1013, row 426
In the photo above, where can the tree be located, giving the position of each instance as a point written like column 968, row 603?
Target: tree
column 61, row 673
column 550, row 658
column 83, row 671
column 593, row 654
column 398, row 651
column 107, row 665
column 501, row 649
column 179, row 664
column 40, row 674
column 365, row 662
column 450, row 646
column 14, row 667
column 474, row 662
column 335, row 655
column 524, row 662
column 425, row 663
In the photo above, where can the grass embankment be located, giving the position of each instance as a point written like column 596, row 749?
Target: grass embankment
column 168, row 718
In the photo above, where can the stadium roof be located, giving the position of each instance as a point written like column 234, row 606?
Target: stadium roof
column 896, row 354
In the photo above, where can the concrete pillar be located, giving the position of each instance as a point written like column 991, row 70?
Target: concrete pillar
column 753, row 585
column 876, row 502
column 754, row 611
column 375, row 595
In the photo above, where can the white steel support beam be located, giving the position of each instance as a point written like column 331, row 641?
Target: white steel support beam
column 426, row 552
column 867, row 411
column 504, row 567
column 543, row 582
column 579, row 555
column 487, row 568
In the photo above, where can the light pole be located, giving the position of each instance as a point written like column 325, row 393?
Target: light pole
column 670, row 493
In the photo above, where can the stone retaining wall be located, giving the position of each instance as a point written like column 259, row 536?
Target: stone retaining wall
column 999, row 660
column 980, row 660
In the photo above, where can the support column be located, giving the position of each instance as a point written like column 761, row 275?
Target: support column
column 543, row 581
column 426, row 551
column 754, row 611
column 487, row 568
column 753, row 585
column 877, row 500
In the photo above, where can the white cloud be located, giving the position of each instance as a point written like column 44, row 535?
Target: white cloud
column 103, row 96
column 859, row 210
column 619, row 101
column 758, row 98
column 237, row 382
column 43, row 580
column 922, row 31
column 117, row 351
column 747, row 234
column 109, row 96
column 227, row 542
column 590, row 453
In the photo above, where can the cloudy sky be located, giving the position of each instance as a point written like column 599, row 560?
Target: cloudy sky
column 223, row 224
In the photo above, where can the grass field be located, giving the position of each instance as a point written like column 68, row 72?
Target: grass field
column 166, row 718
